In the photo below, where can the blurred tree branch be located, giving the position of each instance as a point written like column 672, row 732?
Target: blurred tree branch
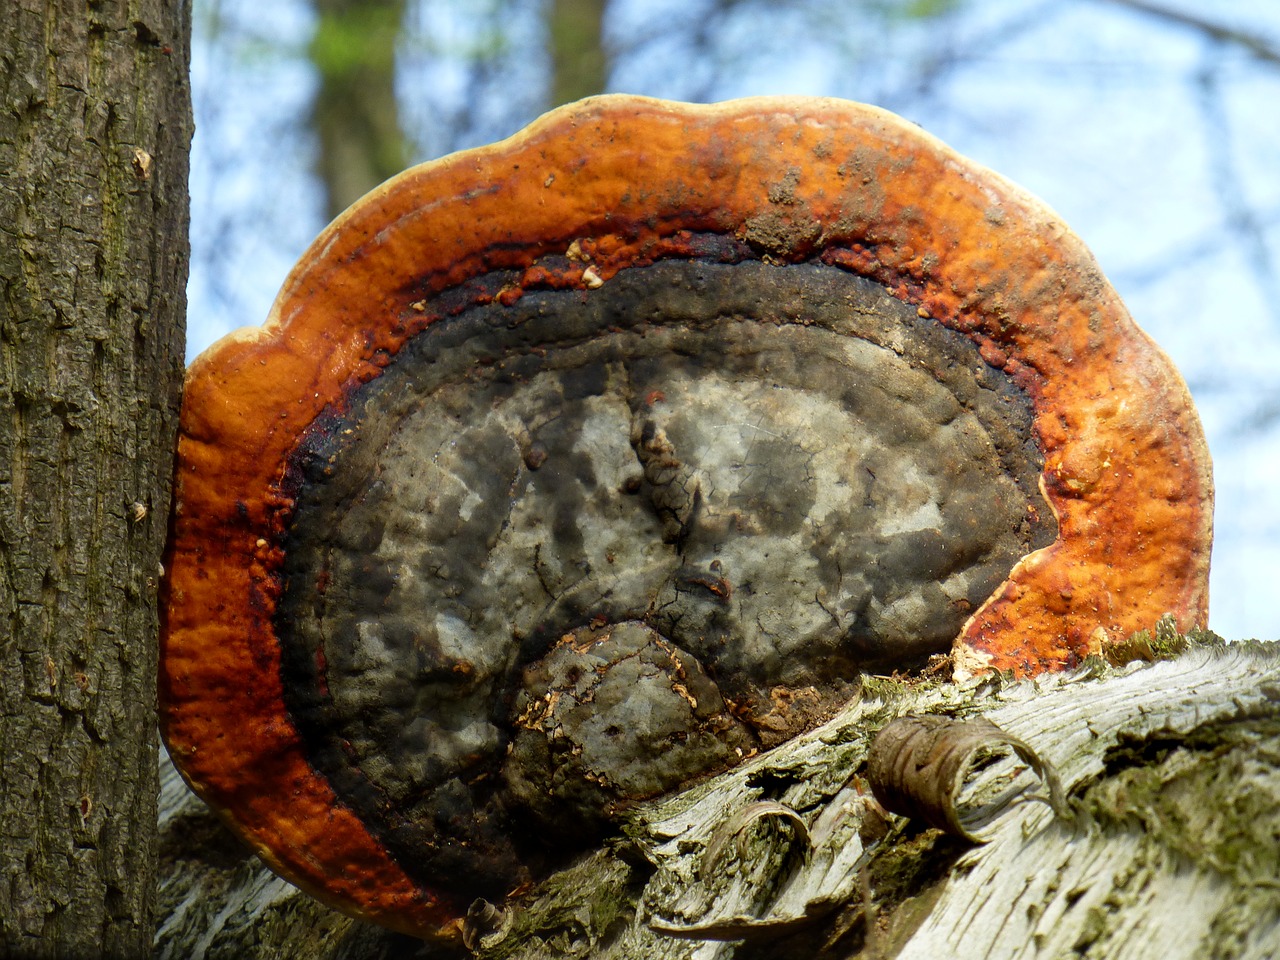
column 1244, row 219
column 1260, row 46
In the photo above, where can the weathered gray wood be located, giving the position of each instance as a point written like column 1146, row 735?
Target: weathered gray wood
column 95, row 124
column 1174, row 775
column 1176, row 770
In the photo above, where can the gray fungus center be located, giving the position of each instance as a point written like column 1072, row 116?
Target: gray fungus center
column 575, row 552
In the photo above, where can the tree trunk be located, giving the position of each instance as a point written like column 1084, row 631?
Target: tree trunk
column 1170, row 850
column 355, row 116
column 94, row 138
column 579, row 63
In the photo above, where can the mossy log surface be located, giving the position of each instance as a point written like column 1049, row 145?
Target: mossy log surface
column 1172, row 848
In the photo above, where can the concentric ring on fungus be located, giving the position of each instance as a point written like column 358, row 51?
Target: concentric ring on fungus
column 575, row 468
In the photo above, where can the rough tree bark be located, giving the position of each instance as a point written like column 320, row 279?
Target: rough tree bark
column 1173, row 772
column 95, row 128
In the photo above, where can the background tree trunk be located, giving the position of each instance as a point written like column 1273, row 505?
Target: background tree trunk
column 355, row 116
column 579, row 61
column 95, row 131
column 1173, row 771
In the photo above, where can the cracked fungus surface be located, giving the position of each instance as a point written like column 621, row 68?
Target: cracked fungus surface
column 574, row 552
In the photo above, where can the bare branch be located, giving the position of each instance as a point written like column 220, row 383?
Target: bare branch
column 1244, row 220
column 1260, row 46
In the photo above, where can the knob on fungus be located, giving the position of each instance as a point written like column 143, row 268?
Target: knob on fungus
column 573, row 468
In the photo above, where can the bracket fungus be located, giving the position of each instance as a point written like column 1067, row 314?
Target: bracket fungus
column 572, row 468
